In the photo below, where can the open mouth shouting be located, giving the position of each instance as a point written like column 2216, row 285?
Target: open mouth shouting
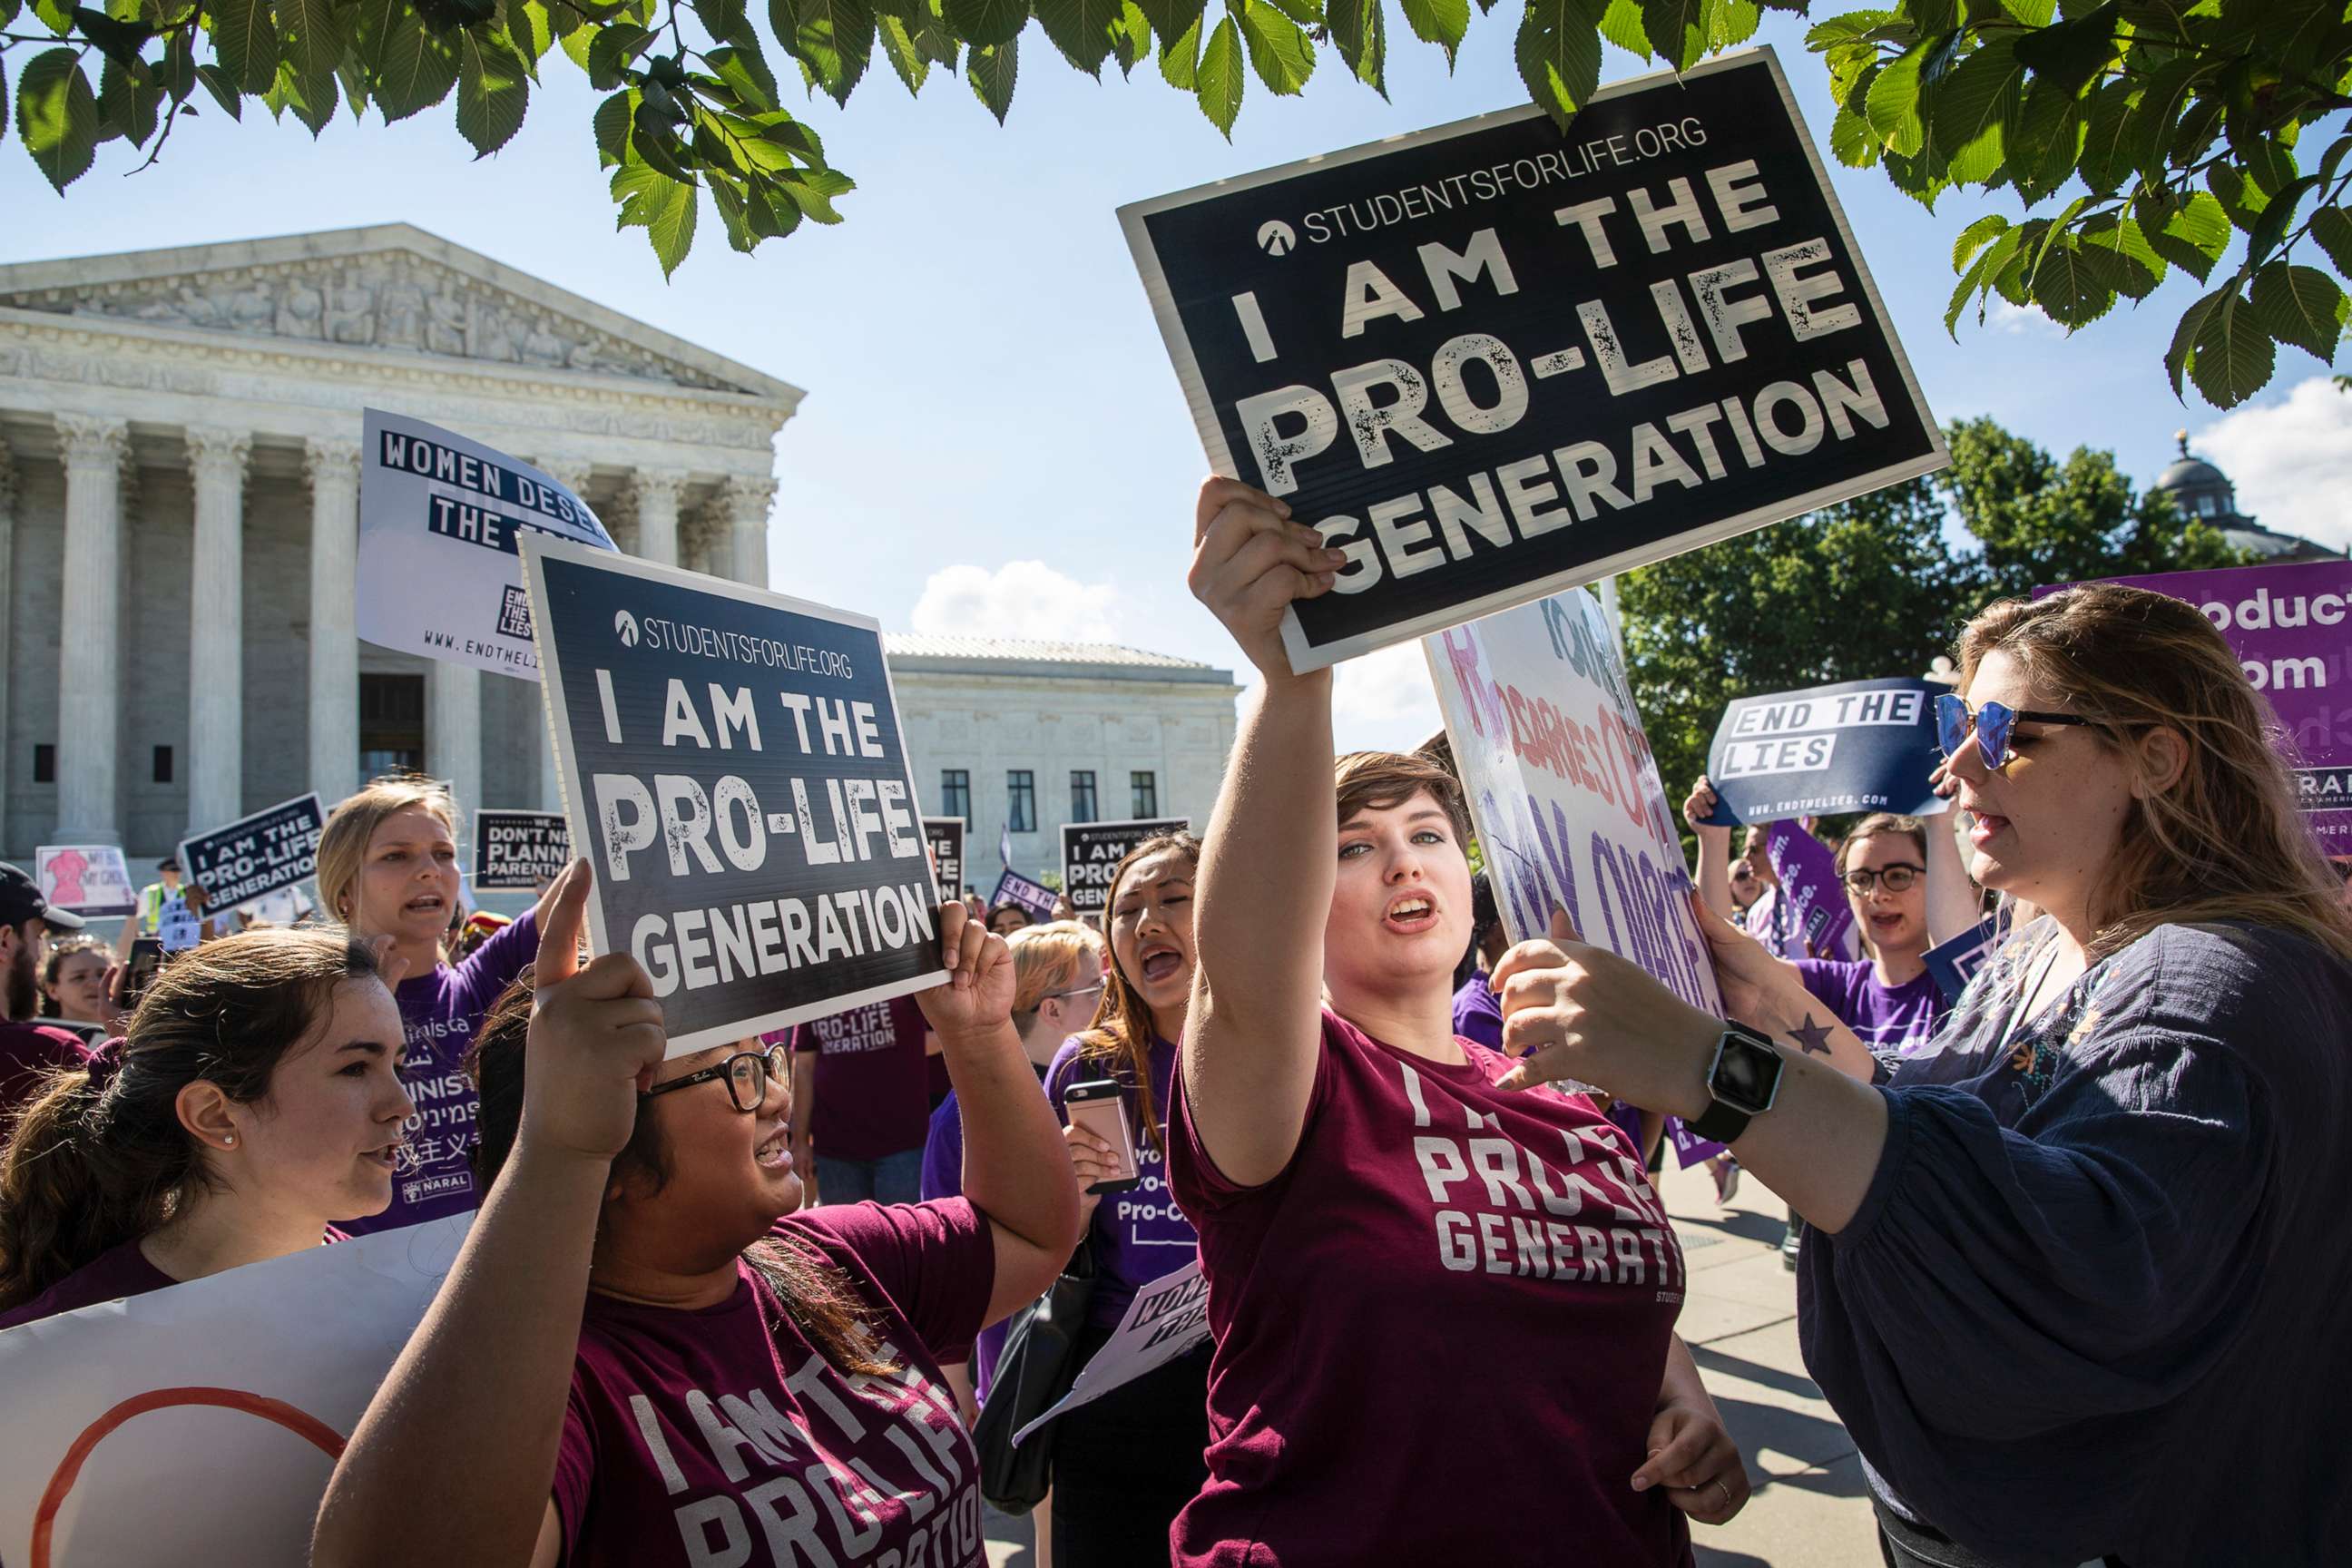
column 1410, row 914
column 1984, row 826
column 1160, row 963
column 386, row 1157
column 431, row 904
column 775, row 1152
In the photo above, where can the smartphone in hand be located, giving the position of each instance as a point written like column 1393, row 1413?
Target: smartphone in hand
column 1101, row 1110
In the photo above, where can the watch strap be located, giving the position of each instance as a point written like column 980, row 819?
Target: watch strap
column 1721, row 1124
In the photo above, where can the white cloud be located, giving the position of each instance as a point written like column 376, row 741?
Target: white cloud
column 1019, row 599
column 2021, row 320
column 1384, row 700
column 2291, row 459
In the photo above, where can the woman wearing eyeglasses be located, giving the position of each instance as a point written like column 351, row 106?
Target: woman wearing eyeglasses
column 1127, row 1464
column 643, row 1355
column 2079, row 1266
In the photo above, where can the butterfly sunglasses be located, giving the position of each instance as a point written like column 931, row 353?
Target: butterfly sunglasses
column 1991, row 723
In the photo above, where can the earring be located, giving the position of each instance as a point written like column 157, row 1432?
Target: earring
column 229, row 1142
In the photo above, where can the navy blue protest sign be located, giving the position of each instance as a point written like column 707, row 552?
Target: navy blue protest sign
column 1091, row 851
column 255, row 854
column 734, row 768
column 1859, row 745
column 519, row 851
column 1013, row 888
column 1491, row 361
column 1955, row 963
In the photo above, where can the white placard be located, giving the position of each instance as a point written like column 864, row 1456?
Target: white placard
column 1167, row 1318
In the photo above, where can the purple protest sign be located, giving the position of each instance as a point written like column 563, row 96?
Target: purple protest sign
column 1013, row 888
column 2291, row 628
column 1815, row 918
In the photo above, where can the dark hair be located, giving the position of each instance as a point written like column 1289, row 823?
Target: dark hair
column 1122, row 1032
column 99, row 1157
column 61, row 949
column 1383, row 780
column 1021, row 910
column 817, row 1298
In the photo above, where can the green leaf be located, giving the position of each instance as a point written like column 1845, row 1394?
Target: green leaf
column 56, row 114
column 985, row 22
column 1278, row 49
column 1080, row 29
column 312, row 100
column 1853, row 141
column 1439, row 22
column 1976, row 237
column 1978, row 278
column 1131, row 37
column 578, row 43
column 1219, row 79
column 1359, row 33
column 2072, row 54
column 313, row 31
column 2108, row 157
column 2300, row 305
column 834, row 38
column 224, row 91
column 991, row 69
column 1974, row 109
column 55, row 14
column 1625, row 25
column 1558, row 53
column 245, row 42
column 666, row 211
column 2277, row 218
column 721, row 18
column 746, row 74
column 812, row 191
column 530, row 29
column 2158, row 114
column 2332, row 228
column 619, row 43
column 2068, row 286
column 2231, row 357
column 1893, row 104
column 126, row 107
column 2032, row 13
column 1180, row 62
column 1731, row 22
column 2117, row 248
column 898, row 48
column 1171, row 20
column 1677, row 30
column 414, row 67
column 2193, row 235
column 611, row 125
column 493, row 90
column 2046, row 146
column 2242, row 200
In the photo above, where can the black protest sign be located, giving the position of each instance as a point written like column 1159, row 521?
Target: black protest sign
column 1490, row 361
column 944, row 838
column 736, row 771
column 255, row 854
column 519, row 851
column 1860, row 745
column 1091, row 851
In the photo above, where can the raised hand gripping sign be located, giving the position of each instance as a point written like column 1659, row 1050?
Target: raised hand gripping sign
column 734, row 767
column 1489, row 361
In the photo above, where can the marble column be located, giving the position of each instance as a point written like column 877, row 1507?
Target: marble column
column 748, row 499
column 217, row 463
column 453, row 730
column 333, row 470
column 657, row 491
column 90, row 665
column 7, row 598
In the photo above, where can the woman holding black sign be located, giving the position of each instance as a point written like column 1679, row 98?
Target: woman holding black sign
column 643, row 1355
column 388, row 869
column 1385, row 1233
column 2077, row 1268
column 251, row 1106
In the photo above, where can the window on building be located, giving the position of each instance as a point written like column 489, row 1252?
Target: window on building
column 1147, row 794
column 1082, row 797
column 392, row 724
column 1021, row 800
column 44, row 763
column 162, row 765
column 955, row 792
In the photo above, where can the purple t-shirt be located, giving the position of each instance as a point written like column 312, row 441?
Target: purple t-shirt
column 872, row 1081
column 1432, row 1240
column 1477, row 1016
column 1891, row 1021
column 1139, row 1235
column 439, row 1011
column 113, row 1275
column 723, row 1435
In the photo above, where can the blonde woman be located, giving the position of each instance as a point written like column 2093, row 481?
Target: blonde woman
column 388, row 869
column 2078, row 1268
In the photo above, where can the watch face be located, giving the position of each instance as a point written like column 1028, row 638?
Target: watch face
column 1747, row 1075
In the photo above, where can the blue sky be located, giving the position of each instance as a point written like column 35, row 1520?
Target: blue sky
column 993, row 440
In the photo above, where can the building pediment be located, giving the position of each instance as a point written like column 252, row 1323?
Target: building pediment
column 392, row 287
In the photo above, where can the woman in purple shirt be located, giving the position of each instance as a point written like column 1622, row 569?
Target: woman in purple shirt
column 251, row 1104
column 388, row 869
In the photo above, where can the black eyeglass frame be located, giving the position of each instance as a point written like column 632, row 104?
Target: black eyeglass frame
column 768, row 1068
column 1998, row 755
column 1870, row 876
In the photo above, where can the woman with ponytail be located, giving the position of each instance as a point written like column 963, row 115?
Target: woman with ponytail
column 388, row 869
column 252, row 1104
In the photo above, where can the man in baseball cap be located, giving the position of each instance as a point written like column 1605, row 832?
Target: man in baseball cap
column 27, row 1052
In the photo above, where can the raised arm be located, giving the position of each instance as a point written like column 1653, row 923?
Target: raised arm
column 472, row 1412
column 1713, row 849
column 1263, row 890
column 1954, row 905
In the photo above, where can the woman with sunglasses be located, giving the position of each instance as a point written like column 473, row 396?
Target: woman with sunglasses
column 1125, row 1465
column 2079, row 1266
column 643, row 1355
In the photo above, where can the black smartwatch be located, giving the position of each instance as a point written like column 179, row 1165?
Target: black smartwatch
column 1744, row 1080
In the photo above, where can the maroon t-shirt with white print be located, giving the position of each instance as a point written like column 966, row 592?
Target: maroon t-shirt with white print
column 722, row 1437
column 1443, row 1265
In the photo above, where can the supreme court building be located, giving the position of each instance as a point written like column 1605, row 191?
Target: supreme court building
column 179, row 507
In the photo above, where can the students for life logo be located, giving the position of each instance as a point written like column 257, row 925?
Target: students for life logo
column 624, row 626
column 1276, row 237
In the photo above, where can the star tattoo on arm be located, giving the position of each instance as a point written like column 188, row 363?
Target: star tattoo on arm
column 1814, row 1038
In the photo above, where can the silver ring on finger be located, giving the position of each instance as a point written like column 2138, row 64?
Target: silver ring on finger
column 1724, row 1487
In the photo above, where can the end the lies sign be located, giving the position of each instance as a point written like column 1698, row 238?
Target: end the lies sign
column 738, row 776
column 1489, row 361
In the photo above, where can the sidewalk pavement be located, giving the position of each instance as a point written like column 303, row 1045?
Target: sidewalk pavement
column 1807, row 1508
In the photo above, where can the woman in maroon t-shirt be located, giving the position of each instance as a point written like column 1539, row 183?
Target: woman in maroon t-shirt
column 252, row 1103
column 1402, row 1259
column 642, row 1355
